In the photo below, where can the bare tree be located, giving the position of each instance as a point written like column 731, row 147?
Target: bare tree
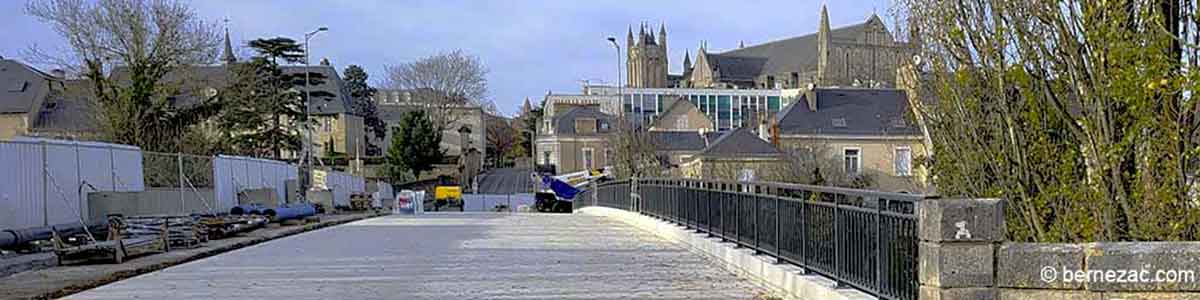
column 635, row 150
column 1081, row 113
column 501, row 138
column 443, row 83
column 149, row 39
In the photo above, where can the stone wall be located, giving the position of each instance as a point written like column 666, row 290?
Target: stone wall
column 963, row 256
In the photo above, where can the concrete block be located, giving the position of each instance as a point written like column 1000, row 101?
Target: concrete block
column 961, row 220
column 1160, row 266
column 1019, row 294
column 1148, row 296
column 265, row 196
column 322, row 197
column 956, row 265
column 1037, row 265
column 935, row 293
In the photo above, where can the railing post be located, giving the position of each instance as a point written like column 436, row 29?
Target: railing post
column 179, row 163
column 958, row 239
column 837, row 241
column 778, row 246
column 45, row 186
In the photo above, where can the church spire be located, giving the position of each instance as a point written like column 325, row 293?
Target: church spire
column 687, row 61
column 642, row 34
column 662, row 34
column 824, row 19
column 228, row 57
column 629, row 39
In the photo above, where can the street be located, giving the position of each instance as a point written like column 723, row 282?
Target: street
column 505, row 181
column 448, row 256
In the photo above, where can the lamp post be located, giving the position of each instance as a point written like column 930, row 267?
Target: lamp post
column 307, row 183
column 620, row 87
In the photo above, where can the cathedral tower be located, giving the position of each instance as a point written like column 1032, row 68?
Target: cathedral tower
column 647, row 58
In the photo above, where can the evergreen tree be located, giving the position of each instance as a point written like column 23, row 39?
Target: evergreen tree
column 364, row 106
column 266, row 108
column 415, row 146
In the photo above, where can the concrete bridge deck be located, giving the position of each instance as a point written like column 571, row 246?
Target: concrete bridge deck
column 449, row 256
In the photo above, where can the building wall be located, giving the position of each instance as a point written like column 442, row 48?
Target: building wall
column 765, row 169
column 877, row 157
column 567, row 154
column 345, row 130
column 692, row 120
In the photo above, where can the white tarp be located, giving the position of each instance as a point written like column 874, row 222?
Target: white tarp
column 43, row 178
column 342, row 184
column 232, row 174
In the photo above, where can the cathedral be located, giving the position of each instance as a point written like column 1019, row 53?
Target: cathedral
column 859, row 55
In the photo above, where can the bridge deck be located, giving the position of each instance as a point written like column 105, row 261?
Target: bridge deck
column 448, row 256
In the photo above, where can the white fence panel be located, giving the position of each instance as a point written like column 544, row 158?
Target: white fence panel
column 21, row 185
column 235, row 173
column 45, row 181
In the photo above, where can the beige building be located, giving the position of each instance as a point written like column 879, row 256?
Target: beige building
column 575, row 139
column 865, row 133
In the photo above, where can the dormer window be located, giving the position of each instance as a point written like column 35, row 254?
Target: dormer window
column 839, row 122
column 19, row 87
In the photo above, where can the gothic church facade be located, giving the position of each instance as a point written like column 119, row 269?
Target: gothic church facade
column 859, row 55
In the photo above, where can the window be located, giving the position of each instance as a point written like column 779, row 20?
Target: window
column 681, row 122
column 608, row 154
column 903, row 161
column 588, row 162
column 546, row 158
column 746, row 175
column 852, row 160
column 546, row 126
column 326, row 125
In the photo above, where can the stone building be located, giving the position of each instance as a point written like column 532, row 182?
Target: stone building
column 575, row 139
column 647, row 58
column 859, row 55
column 738, row 154
column 392, row 104
column 863, row 132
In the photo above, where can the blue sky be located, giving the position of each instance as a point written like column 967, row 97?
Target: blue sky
column 530, row 47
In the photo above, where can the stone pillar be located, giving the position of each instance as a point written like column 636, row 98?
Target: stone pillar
column 959, row 238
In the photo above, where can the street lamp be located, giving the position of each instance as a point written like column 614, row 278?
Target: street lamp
column 308, row 131
column 620, row 87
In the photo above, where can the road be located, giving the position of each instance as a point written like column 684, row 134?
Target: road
column 448, row 256
column 505, row 181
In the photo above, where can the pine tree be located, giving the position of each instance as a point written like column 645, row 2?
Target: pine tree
column 415, row 146
column 266, row 110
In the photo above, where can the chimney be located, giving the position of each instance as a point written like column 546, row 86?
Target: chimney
column 811, row 96
column 704, row 136
column 325, row 61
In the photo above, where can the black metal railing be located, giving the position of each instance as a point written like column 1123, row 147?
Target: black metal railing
column 861, row 239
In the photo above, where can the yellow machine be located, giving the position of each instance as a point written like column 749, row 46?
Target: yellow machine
column 447, row 196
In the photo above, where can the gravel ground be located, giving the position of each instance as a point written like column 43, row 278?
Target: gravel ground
column 448, row 256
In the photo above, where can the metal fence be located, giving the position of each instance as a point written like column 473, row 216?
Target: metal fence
column 861, row 239
column 44, row 182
